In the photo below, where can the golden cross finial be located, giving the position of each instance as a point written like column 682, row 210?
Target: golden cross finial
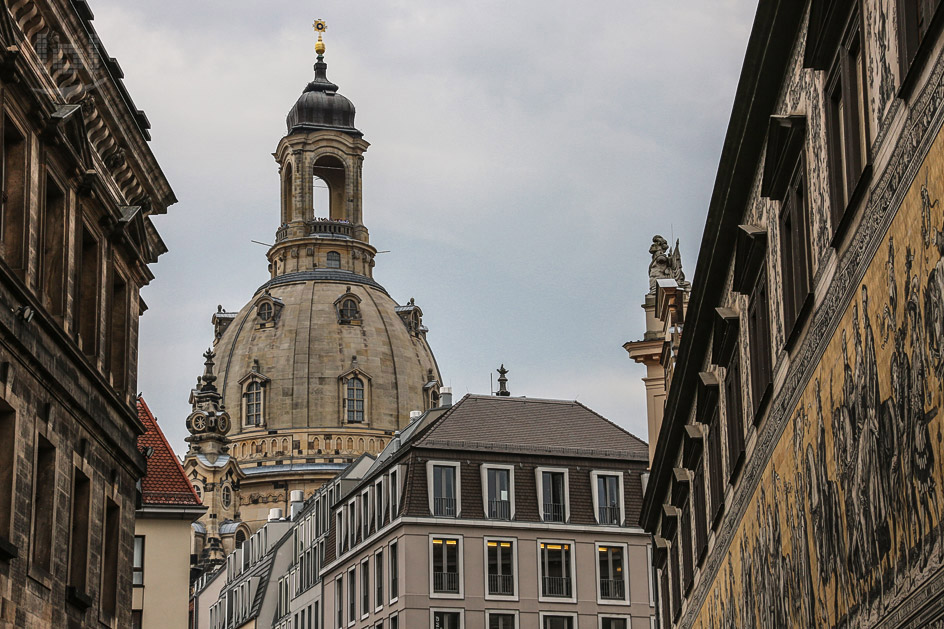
column 320, row 27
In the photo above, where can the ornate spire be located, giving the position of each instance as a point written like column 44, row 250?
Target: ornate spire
column 208, row 376
column 503, row 382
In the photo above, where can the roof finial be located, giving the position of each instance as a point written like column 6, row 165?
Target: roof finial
column 503, row 382
column 320, row 27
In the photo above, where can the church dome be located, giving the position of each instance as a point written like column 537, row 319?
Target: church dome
column 321, row 107
column 303, row 337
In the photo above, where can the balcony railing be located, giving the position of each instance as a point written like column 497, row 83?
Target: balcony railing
column 326, row 226
column 502, row 584
column 612, row 589
column 553, row 512
column 609, row 515
column 445, row 507
column 499, row 509
column 446, row 582
column 557, row 586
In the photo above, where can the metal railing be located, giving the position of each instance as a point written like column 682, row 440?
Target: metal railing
column 445, row 507
column 446, row 582
column 612, row 589
column 503, row 584
column 609, row 515
column 553, row 512
column 557, row 586
column 499, row 509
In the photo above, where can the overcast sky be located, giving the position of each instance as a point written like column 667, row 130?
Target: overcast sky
column 522, row 156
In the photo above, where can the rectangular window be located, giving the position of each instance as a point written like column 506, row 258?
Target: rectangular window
column 339, row 600
column 847, row 120
column 665, row 596
column 556, row 570
column 608, row 499
column 445, row 565
column 613, row 623
column 734, row 414
column 352, row 595
column 444, row 491
column 914, row 20
column 53, row 251
column 87, row 287
column 379, row 578
column 758, row 316
column 136, row 619
column 7, row 464
column 365, row 514
column 796, row 266
column 701, row 513
column 501, row 567
column 716, row 477
column 44, row 493
column 446, row 620
column 612, row 573
column 78, row 549
column 499, row 493
column 111, row 535
column 380, row 504
column 137, row 568
column 501, row 621
column 13, row 196
column 394, row 495
column 365, row 587
column 394, row 622
column 394, row 569
column 558, row 622
column 118, row 332
column 685, row 536
column 553, row 495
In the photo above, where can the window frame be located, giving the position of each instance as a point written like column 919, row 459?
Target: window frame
column 484, row 468
column 460, row 566
column 539, row 479
column 136, row 569
column 594, row 487
column 796, row 256
column 514, row 568
column 759, row 343
column 380, row 578
column 606, row 616
column 393, row 576
column 248, row 391
column 557, row 614
column 732, row 391
column 913, row 47
column 351, row 601
column 598, row 586
column 573, row 576
column 430, row 483
column 447, row 610
column 349, row 387
column 331, row 259
column 502, row 612
column 365, row 592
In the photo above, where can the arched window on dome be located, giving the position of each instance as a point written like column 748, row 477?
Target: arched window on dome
column 288, row 199
column 333, row 260
column 321, row 197
column 354, row 403
column 348, row 307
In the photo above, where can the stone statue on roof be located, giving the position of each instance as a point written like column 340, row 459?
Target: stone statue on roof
column 666, row 263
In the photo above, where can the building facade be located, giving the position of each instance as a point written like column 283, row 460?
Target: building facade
column 474, row 516
column 322, row 364
column 160, row 563
column 797, row 479
column 79, row 187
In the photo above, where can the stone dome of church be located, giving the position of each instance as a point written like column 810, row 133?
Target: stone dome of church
column 303, row 337
column 321, row 107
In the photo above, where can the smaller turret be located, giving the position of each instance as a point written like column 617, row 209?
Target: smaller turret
column 208, row 422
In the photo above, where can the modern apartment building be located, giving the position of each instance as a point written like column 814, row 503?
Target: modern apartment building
column 497, row 512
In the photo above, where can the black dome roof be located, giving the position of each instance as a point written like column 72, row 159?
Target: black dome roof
column 321, row 107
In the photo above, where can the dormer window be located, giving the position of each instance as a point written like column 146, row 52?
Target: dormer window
column 265, row 311
column 355, row 401
column 253, row 397
column 348, row 307
column 334, row 260
column 268, row 309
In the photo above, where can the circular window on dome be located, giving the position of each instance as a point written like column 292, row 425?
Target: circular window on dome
column 265, row 311
column 226, row 497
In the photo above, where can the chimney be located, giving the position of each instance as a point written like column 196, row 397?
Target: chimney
column 275, row 514
column 297, row 499
column 445, row 397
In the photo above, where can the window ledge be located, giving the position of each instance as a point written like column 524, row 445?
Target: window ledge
column 842, row 227
column 8, row 549
column 78, row 598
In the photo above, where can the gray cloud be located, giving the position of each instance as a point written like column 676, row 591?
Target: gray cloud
column 523, row 154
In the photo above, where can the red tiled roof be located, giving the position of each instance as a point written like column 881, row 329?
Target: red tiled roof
column 165, row 482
